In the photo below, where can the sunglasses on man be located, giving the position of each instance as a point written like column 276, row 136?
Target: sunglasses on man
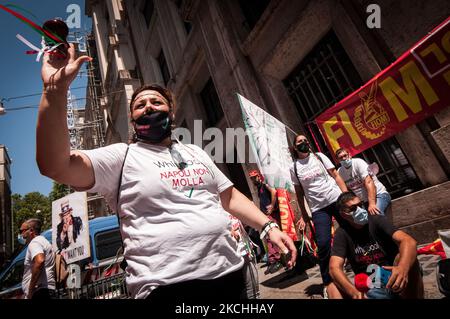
column 23, row 230
column 352, row 208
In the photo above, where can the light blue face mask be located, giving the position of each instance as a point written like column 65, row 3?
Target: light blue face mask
column 346, row 163
column 360, row 216
column 21, row 240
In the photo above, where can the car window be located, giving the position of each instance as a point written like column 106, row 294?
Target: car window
column 13, row 276
column 107, row 243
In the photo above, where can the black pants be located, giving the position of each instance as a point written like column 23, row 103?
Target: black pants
column 322, row 223
column 43, row 293
column 230, row 286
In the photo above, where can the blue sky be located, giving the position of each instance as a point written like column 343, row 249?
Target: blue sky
column 20, row 75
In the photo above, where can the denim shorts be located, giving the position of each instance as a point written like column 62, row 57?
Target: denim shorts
column 381, row 293
column 383, row 201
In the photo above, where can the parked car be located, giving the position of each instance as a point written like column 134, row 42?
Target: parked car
column 106, row 256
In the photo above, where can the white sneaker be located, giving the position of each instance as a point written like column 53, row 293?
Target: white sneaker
column 325, row 293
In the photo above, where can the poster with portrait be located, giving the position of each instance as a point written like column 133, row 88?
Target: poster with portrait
column 70, row 227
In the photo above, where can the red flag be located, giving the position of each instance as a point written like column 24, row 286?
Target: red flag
column 410, row 90
column 435, row 248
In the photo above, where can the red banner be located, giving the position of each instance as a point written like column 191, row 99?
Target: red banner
column 411, row 89
column 287, row 217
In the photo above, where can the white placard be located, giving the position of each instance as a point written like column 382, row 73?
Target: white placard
column 70, row 227
column 268, row 139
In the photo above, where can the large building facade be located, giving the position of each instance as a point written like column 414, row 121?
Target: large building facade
column 294, row 59
column 6, row 241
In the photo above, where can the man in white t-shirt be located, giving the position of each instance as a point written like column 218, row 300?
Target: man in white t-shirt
column 363, row 182
column 38, row 277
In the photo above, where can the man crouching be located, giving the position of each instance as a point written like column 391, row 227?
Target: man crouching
column 383, row 256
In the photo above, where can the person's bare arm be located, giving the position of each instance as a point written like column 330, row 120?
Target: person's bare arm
column 337, row 177
column 304, row 218
column 406, row 257
column 341, row 280
column 371, row 195
column 53, row 155
column 36, row 269
column 245, row 210
column 273, row 198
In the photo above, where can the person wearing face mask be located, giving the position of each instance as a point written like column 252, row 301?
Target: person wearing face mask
column 38, row 280
column 268, row 204
column 171, row 199
column 369, row 243
column 363, row 182
column 315, row 177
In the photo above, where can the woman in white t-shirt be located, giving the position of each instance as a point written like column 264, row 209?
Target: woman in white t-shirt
column 315, row 177
column 170, row 198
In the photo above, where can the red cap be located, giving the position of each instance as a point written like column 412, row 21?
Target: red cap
column 253, row 173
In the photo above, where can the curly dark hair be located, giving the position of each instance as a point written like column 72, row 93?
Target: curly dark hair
column 293, row 148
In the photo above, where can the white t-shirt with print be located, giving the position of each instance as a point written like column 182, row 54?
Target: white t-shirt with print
column 355, row 175
column 39, row 245
column 320, row 188
column 173, row 225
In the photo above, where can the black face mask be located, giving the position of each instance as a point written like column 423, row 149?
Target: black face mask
column 153, row 127
column 303, row 147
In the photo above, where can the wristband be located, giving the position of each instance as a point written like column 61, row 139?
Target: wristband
column 266, row 228
column 265, row 225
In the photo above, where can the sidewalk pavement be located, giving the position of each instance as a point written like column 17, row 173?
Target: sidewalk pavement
column 290, row 285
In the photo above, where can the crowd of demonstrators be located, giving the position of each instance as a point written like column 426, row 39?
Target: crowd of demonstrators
column 171, row 198
column 173, row 204
column 363, row 182
column 369, row 242
column 39, row 266
column 365, row 238
column 268, row 204
column 316, row 178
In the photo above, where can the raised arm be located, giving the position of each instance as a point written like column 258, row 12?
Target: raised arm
column 244, row 209
column 53, row 155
